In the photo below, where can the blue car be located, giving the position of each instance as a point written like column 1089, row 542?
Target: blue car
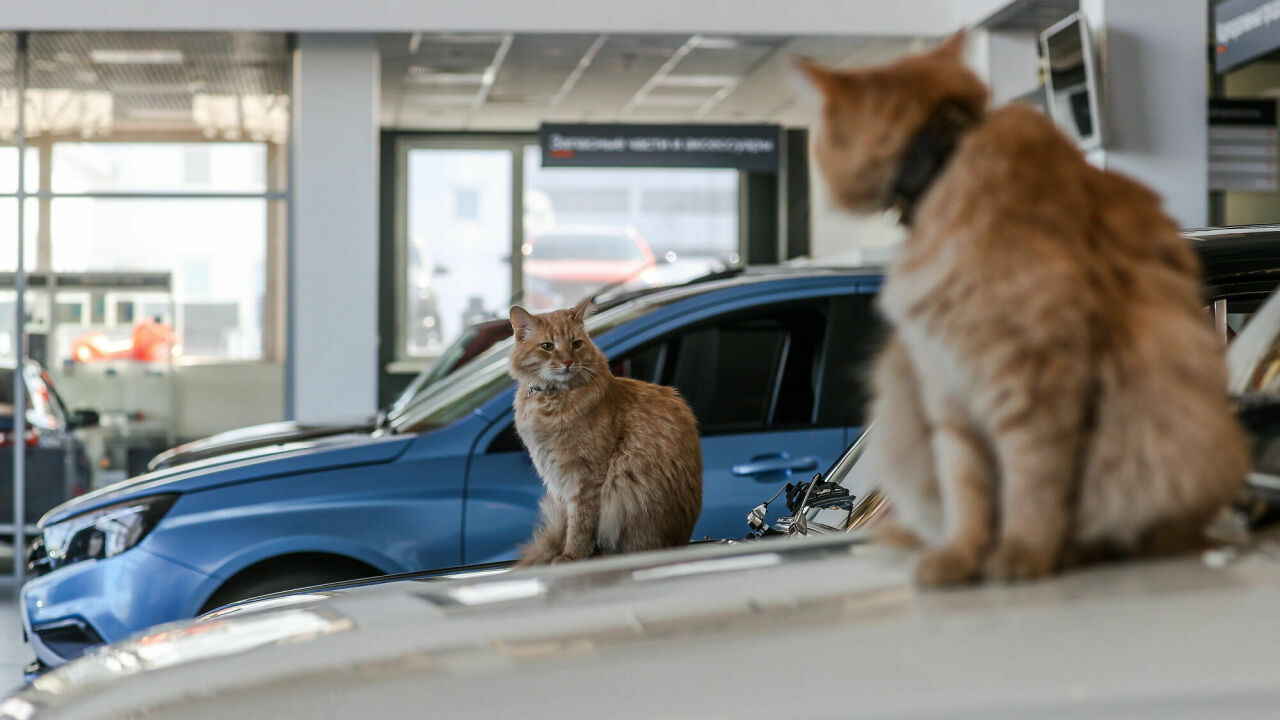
column 771, row 362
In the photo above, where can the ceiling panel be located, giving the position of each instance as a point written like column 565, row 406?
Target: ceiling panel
column 227, row 85
column 428, row 78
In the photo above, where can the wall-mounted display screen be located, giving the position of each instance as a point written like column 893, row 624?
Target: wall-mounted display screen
column 1071, row 80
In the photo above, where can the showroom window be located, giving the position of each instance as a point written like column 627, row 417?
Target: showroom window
column 154, row 224
column 482, row 225
column 156, row 164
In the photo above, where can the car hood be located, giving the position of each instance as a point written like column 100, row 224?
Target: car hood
column 810, row 628
column 289, row 458
column 255, row 436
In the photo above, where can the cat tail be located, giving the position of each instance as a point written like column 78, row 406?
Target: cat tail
column 1166, row 452
column 547, row 543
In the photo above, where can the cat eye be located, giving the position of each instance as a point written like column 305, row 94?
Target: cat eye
column 577, row 344
column 548, row 346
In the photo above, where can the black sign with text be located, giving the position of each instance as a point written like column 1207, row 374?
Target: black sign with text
column 738, row 147
column 1242, row 112
column 1242, row 145
column 1244, row 30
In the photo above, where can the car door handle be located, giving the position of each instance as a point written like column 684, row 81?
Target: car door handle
column 775, row 465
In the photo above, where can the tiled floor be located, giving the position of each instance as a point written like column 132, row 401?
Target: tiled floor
column 14, row 653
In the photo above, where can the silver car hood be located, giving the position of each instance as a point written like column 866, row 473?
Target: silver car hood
column 797, row 628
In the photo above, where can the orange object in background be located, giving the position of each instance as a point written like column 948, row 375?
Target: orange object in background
column 150, row 340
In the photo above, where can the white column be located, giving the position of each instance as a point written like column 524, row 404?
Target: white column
column 1006, row 60
column 331, row 363
column 1154, row 90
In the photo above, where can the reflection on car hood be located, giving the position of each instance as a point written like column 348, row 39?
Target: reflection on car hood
column 254, row 436
column 255, row 464
column 813, row 628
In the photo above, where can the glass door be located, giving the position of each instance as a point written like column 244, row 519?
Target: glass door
column 588, row 230
column 458, row 233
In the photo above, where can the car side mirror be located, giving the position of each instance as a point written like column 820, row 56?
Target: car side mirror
column 85, row 418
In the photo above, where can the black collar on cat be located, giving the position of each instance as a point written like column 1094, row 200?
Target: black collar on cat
column 538, row 388
column 926, row 155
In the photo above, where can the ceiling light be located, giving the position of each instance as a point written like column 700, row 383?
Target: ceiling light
column 446, row 78
column 439, row 99
column 715, row 43
column 136, row 57
column 57, row 112
column 699, row 81
column 234, row 117
column 159, row 114
column 466, row 38
column 672, row 101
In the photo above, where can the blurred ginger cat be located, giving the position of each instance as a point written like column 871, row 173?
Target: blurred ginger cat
column 620, row 458
column 1053, row 391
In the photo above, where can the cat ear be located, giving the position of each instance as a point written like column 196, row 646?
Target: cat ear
column 951, row 49
column 812, row 81
column 521, row 322
column 582, row 310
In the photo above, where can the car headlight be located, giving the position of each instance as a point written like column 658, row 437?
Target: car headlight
column 105, row 532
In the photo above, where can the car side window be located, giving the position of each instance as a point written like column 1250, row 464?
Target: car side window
column 749, row 371
column 643, row 364
column 857, row 333
column 727, row 373
column 506, row 441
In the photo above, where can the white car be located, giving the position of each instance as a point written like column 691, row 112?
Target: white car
column 795, row 627
column 817, row 628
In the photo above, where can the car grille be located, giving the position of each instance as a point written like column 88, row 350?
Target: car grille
column 68, row 638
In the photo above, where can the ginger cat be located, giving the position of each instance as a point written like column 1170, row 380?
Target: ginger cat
column 1052, row 391
column 620, row 458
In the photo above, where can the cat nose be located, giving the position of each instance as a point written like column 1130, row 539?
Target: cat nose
column 567, row 362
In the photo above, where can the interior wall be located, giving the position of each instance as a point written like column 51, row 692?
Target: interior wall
column 215, row 397
column 1153, row 85
column 841, row 238
column 331, row 371
column 208, row 397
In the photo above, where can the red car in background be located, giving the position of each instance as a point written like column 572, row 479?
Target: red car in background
column 565, row 264
column 150, row 341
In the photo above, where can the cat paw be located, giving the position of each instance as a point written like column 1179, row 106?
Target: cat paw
column 1013, row 560
column 895, row 535
column 945, row 566
column 561, row 559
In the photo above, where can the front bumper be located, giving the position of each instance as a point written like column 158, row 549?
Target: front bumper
column 80, row 606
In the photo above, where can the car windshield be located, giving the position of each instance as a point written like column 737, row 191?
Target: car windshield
column 584, row 246
column 482, row 378
column 1253, row 360
column 434, row 372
